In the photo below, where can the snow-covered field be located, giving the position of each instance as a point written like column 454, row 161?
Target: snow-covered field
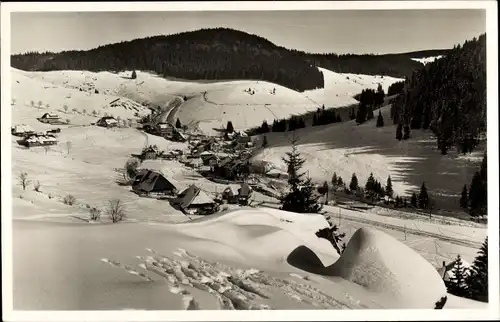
column 211, row 105
column 245, row 258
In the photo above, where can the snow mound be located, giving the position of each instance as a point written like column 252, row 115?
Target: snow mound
column 254, row 233
column 386, row 266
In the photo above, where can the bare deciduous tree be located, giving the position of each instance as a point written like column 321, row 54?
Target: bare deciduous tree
column 32, row 103
column 40, row 104
column 46, row 148
column 84, row 111
column 94, row 113
column 116, row 210
column 65, row 107
column 47, row 106
column 23, row 180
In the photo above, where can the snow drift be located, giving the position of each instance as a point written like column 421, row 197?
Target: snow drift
column 382, row 265
column 386, row 266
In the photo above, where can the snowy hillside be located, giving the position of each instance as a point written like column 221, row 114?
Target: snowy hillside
column 340, row 88
column 211, row 105
column 348, row 148
column 427, row 60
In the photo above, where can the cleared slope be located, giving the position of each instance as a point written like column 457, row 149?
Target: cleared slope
column 340, row 88
column 348, row 148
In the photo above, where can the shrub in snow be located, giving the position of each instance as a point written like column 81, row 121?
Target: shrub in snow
column 95, row 213
column 131, row 169
column 36, row 186
column 23, row 180
column 116, row 210
column 69, row 200
column 332, row 234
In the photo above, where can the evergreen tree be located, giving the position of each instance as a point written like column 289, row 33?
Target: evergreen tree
column 399, row 132
column 338, row 119
column 353, row 186
column 134, row 75
column 264, row 141
column 369, row 112
column 414, row 200
column 457, row 285
column 229, row 127
column 478, row 197
column 380, row 119
column 464, row 200
column 406, row 135
column 178, row 123
column 300, row 197
column 379, row 96
column 334, row 179
column 423, row 197
column 361, row 114
column 352, row 115
column 388, row 187
column 264, row 128
column 340, row 182
column 477, row 280
column 370, row 186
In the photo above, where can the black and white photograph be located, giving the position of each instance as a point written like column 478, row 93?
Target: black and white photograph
column 265, row 156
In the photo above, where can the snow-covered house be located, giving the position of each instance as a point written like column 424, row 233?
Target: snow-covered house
column 22, row 130
column 50, row 118
column 107, row 121
column 193, row 201
column 230, row 194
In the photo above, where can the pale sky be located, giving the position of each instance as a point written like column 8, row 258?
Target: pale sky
column 356, row 31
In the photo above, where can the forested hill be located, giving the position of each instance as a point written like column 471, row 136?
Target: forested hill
column 448, row 96
column 218, row 54
column 395, row 65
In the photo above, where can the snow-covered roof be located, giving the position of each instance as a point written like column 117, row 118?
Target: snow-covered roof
column 22, row 128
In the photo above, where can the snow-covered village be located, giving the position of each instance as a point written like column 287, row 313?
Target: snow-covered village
column 220, row 166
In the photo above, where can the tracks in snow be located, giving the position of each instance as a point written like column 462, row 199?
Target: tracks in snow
column 232, row 288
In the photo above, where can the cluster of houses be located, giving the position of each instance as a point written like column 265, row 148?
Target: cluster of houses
column 165, row 130
column 192, row 200
column 30, row 138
